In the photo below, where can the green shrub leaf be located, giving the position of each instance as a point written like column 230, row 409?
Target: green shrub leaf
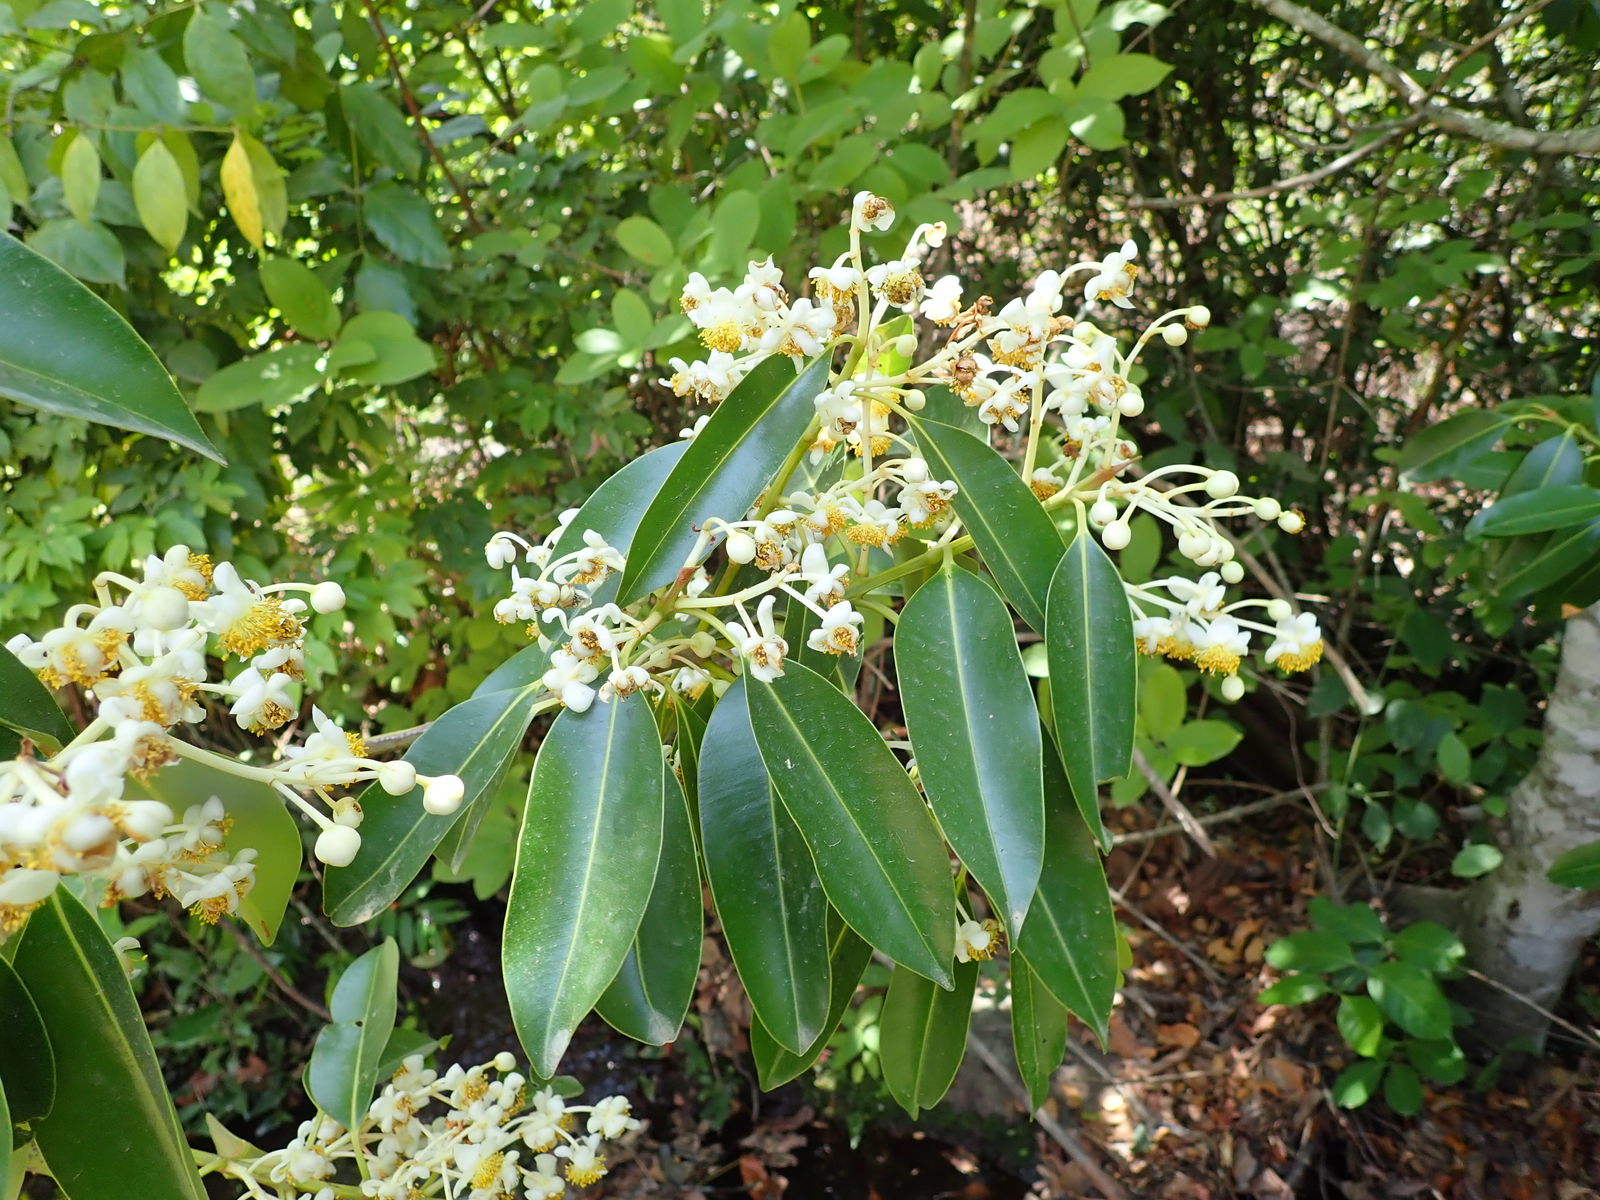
column 28, row 710
column 1038, row 1030
column 344, row 1061
column 922, row 1035
column 848, row 956
column 1577, row 868
column 1410, row 998
column 27, row 1066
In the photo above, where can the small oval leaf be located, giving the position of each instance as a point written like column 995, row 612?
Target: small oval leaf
column 344, row 1061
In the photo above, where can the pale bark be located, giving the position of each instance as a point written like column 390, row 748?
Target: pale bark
column 1521, row 930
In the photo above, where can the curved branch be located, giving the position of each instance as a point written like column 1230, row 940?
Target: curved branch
column 1584, row 141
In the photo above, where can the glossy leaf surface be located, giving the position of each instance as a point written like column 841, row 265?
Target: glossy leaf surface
column 848, row 956
column 27, row 1068
column 922, row 1035
column 344, row 1061
column 975, row 733
column 881, row 860
column 28, row 710
column 586, row 863
column 1038, row 1030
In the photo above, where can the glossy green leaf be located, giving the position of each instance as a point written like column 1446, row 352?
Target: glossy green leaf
column 344, row 1061
column 1360, row 1024
column 1410, row 998
column 1313, row 950
column 724, row 469
column 276, row 377
column 402, row 1044
column 5, row 1134
column 651, row 993
column 1013, row 533
column 27, row 1066
column 102, row 372
column 1440, row 1060
column 1440, row 450
column 1430, row 947
column 113, row 1131
column 1577, row 868
column 1540, row 511
column 89, row 252
column 768, row 897
column 301, row 297
column 475, row 740
column 1196, row 743
column 882, row 862
column 1565, row 553
column 1402, row 1090
column 922, row 1035
column 218, row 62
column 1554, row 462
column 975, row 733
column 848, row 956
column 1071, row 940
column 615, row 509
column 1093, row 673
column 159, row 195
column 403, row 221
column 1474, row 859
column 260, row 822
column 1357, row 1083
column 1038, row 1030
column 1294, row 989
column 28, row 710
column 586, row 861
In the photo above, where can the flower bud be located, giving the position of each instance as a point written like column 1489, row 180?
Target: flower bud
column 327, row 597
column 905, row 345
column 337, row 845
column 741, row 547
column 505, row 1061
column 1174, row 335
column 1267, row 509
column 1231, row 571
column 1130, row 403
column 1116, row 535
column 704, row 643
column 1279, row 610
column 1222, row 485
column 1232, row 688
column 914, row 470
column 1193, row 544
column 397, row 778
column 915, row 401
column 163, row 608
column 499, row 552
column 1198, row 317
column 1102, row 512
column 442, row 794
column 1291, row 521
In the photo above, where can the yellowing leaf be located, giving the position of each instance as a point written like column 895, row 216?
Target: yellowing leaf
column 252, row 184
column 158, row 194
column 80, row 177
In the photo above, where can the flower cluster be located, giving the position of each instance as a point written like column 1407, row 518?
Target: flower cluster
column 477, row 1133
column 142, row 655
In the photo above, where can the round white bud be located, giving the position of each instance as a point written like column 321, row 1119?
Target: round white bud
column 1102, row 512
column 1116, row 535
column 1130, row 404
column 164, row 609
column 1222, row 485
column 1232, row 688
column 1199, row 316
column 1232, row 572
column 1290, row 521
column 347, row 812
column 505, row 1061
column 442, row 794
column 914, row 470
column 906, row 345
column 915, row 401
column 1267, row 509
column 741, row 547
column 337, row 845
column 1193, row 544
column 1279, row 610
column 397, row 778
column 327, row 597
column 1174, row 335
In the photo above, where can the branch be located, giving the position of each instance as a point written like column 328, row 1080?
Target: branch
column 1584, row 141
column 1176, row 807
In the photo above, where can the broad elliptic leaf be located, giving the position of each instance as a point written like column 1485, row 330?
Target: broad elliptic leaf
column 276, row 377
column 1566, row 552
column 80, row 177
column 1038, row 1030
column 1013, row 533
column 1437, row 451
column 1577, row 868
column 218, row 62
column 28, row 710
column 344, row 1061
column 586, row 862
column 302, row 298
column 1093, row 673
column 27, row 1066
column 260, row 822
column 975, row 733
column 159, row 195
column 381, row 127
column 398, row 354
column 113, row 1131
column 253, row 186
column 848, row 956
column 404, row 221
column 1540, row 511
column 882, row 862
column 101, row 372
column 922, row 1035
column 1410, row 998
column 1071, row 939
column 768, row 897
column 725, row 468
column 475, row 740
column 651, row 993
column 1554, row 462
column 1360, row 1024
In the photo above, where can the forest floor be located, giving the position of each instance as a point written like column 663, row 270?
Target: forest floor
column 1199, row 1094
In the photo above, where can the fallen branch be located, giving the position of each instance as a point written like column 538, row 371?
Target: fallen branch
column 1186, row 819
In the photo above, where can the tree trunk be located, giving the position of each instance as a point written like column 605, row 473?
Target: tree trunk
column 1520, row 929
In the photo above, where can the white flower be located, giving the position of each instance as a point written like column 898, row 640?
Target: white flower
column 840, row 631
column 871, row 212
column 836, row 281
column 899, row 281
column 569, row 677
column 924, row 501
column 824, row 583
column 625, row 681
column 1297, row 643
column 800, row 331
column 941, row 304
column 610, row 1117
column 1115, row 278
column 760, row 646
column 976, row 940
column 1203, row 597
column 1218, row 645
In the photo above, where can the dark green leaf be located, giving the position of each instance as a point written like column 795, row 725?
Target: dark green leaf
column 922, row 1035
column 403, row 220
column 1410, row 998
column 474, row 740
column 344, row 1061
column 109, row 1092
column 975, row 733
column 27, row 1066
column 101, row 372
column 1540, row 511
column 1093, row 672
column 1294, row 989
column 724, row 469
column 1443, row 449
column 380, row 127
column 1071, row 939
column 1311, row 950
column 1402, row 1090
column 1441, row 1060
column 1577, row 868
column 586, row 861
column 27, row 707
column 651, row 993
column 1360, row 1024
column 1474, row 859
column 1012, row 532
column 1554, row 462
column 1355, row 923
column 880, row 857
column 402, row 1044
column 90, row 252
column 767, row 893
column 301, row 297
column 847, row 959
column 1567, row 551
column 1429, row 947
column 1038, row 1030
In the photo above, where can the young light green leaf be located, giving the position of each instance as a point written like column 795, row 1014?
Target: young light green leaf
column 103, row 372
column 218, row 62
column 1357, row 1083
column 724, row 469
column 882, row 862
column 586, row 862
column 28, row 710
column 768, row 896
column 1577, row 868
column 1474, row 859
column 1360, row 1024
column 1015, row 536
column 848, row 956
column 646, row 241
column 302, row 298
column 475, row 740
column 399, row 354
column 1093, row 673
column 651, row 993
column 159, row 195
column 1038, row 1030
column 975, row 733
column 27, row 1066
column 1410, row 998
column 102, row 1053
column 344, row 1061
column 922, row 1035
column 1071, row 940
column 1310, row 950
column 80, row 177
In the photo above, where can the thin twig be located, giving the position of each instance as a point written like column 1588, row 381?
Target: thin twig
column 272, row 973
column 1277, row 800
column 1186, row 819
column 1576, row 1030
column 399, row 739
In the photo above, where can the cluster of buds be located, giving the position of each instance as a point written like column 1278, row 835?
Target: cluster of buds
column 141, row 653
column 478, row 1133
